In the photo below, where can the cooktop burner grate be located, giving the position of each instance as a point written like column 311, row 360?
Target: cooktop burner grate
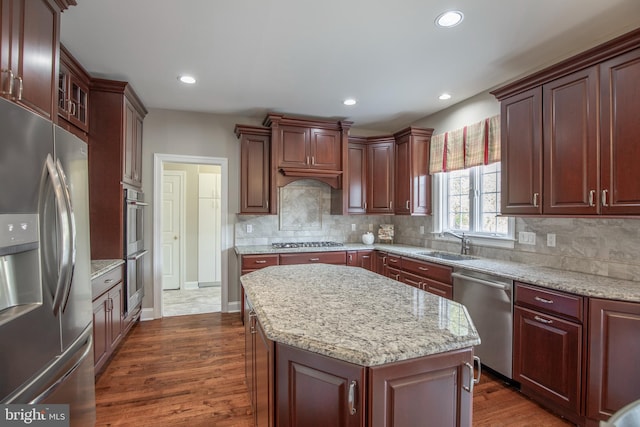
column 305, row 245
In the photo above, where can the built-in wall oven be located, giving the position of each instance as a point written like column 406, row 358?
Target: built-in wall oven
column 134, row 248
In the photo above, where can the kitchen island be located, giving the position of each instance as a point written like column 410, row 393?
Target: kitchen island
column 337, row 345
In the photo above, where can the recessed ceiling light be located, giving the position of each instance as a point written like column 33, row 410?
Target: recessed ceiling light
column 444, row 96
column 449, row 19
column 187, row 79
column 349, row 101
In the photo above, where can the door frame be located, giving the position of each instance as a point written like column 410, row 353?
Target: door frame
column 183, row 233
column 225, row 237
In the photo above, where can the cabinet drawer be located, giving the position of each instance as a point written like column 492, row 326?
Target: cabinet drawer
column 553, row 302
column 339, row 257
column 104, row 282
column 428, row 270
column 394, row 261
column 256, row 262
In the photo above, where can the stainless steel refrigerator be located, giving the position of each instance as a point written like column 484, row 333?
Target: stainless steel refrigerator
column 46, row 350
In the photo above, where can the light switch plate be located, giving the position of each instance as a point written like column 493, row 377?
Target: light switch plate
column 249, row 228
column 551, row 240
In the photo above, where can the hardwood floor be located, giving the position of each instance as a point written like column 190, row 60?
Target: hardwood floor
column 189, row 371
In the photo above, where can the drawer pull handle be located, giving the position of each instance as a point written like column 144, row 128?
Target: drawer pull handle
column 423, row 268
column 352, row 397
column 472, row 379
column 314, row 259
column 261, row 261
column 543, row 300
column 108, row 281
column 545, row 321
column 604, row 197
column 393, row 260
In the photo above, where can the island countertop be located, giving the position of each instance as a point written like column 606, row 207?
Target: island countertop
column 355, row 315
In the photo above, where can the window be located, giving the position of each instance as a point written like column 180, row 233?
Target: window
column 470, row 203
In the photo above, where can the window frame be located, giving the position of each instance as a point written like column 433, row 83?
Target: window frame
column 440, row 213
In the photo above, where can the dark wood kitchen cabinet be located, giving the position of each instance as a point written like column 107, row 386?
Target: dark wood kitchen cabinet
column 73, row 95
column 115, row 118
column 570, row 122
column 412, row 179
column 317, row 391
column 620, row 127
column 584, row 104
column 380, row 177
column 430, row 277
column 362, row 259
column 548, row 348
column 259, row 361
column 357, row 176
column 521, row 153
column 309, row 148
column 257, row 194
column 29, row 46
column 337, row 257
column 614, row 352
column 108, row 315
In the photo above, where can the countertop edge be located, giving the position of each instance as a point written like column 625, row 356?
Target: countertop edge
column 103, row 266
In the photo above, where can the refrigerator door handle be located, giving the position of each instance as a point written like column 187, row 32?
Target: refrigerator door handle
column 71, row 260
column 64, row 234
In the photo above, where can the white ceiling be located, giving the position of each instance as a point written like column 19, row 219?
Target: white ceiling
column 304, row 57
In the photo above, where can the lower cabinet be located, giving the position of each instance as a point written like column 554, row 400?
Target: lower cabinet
column 364, row 259
column 614, row 352
column 547, row 348
column 259, row 352
column 108, row 316
column 312, row 390
column 318, row 391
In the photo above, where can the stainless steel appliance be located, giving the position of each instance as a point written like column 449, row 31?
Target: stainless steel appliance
column 489, row 301
column 45, row 285
column 134, row 247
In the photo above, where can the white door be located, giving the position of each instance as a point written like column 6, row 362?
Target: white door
column 209, row 228
column 172, row 184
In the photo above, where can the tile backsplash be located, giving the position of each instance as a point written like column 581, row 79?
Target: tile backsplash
column 607, row 247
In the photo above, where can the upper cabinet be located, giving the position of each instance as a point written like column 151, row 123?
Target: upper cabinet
column 412, row 179
column 380, row 176
column 620, row 127
column 305, row 148
column 255, row 171
column 569, row 135
column 73, row 95
column 29, row 40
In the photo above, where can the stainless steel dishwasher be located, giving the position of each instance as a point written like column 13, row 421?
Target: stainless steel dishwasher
column 489, row 301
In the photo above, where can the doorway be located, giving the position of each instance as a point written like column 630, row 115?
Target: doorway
column 190, row 205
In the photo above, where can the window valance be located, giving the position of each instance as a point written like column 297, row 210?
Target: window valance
column 472, row 145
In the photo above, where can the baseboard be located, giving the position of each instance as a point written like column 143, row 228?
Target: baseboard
column 233, row 307
column 191, row 285
column 147, row 314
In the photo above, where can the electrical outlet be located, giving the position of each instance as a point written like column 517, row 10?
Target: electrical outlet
column 353, row 227
column 551, row 240
column 249, row 228
column 422, row 229
column 526, row 238
column 370, row 227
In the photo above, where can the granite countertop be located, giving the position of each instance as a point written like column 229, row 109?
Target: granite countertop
column 577, row 283
column 102, row 266
column 355, row 315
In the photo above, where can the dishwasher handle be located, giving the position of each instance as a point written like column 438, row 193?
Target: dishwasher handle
column 491, row 284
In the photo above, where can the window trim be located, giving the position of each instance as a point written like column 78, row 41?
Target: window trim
column 477, row 238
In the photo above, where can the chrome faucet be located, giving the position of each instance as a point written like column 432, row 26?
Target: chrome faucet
column 465, row 242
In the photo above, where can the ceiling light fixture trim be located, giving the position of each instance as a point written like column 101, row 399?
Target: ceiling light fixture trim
column 444, row 96
column 449, row 19
column 349, row 101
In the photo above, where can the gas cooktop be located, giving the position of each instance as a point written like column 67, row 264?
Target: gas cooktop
column 285, row 245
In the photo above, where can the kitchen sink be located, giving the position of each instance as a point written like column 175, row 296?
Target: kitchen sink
column 446, row 255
